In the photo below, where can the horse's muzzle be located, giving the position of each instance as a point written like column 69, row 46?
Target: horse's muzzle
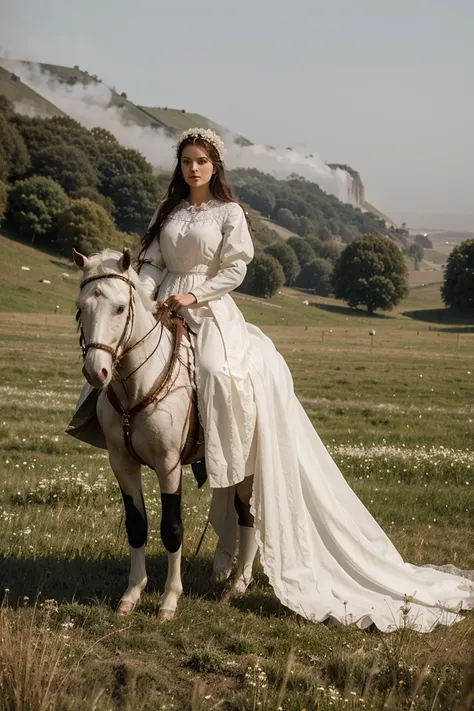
column 97, row 380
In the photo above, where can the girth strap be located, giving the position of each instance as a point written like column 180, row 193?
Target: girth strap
column 194, row 436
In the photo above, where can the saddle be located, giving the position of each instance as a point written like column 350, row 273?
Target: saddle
column 85, row 425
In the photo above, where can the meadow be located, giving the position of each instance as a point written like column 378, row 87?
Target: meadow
column 397, row 414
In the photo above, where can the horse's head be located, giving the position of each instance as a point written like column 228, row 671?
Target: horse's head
column 105, row 311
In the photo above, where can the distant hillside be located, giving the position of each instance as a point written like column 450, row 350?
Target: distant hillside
column 172, row 120
column 179, row 120
column 370, row 208
column 168, row 119
column 15, row 91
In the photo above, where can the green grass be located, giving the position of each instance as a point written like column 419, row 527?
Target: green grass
column 404, row 443
column 17, row 92
column 179, row 120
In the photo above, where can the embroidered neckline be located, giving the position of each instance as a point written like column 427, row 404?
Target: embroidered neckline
column 203, row 206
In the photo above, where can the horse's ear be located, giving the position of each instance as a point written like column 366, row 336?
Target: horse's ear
column 125, row 260
column 79, row 259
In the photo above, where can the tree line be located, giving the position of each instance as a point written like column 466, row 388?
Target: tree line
column 64, row 186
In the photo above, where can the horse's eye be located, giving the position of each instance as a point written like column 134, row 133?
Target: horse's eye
column 120, row 309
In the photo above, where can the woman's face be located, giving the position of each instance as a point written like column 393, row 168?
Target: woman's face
column 196, row 166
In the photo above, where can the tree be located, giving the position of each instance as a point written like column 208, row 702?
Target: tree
column 264, row 276
column 330, row 251
column 263, row 236
column 36, row 132
column 3, row 200
column 314, row 242
column 304, row 252
column 67, row 165
column 286, row 218
column 371, row 271
column 416, row 252
column 4, row 167
column 135, row 197
column 258, row 198
column 316, row 275
column 348, row 233
column 93, row 194
column 304, row 226
column 103, row 136
column 424, row 241
column 86, row 226
column 34, row 205
column 287, row 258
column 457, row 290
column 324, row 233
column 13, row 149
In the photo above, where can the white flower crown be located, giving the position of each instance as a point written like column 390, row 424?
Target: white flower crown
column 207, row 134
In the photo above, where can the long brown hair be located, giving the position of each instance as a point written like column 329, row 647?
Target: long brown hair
column 178, row 188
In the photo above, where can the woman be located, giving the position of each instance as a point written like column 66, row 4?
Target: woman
column 324, row 554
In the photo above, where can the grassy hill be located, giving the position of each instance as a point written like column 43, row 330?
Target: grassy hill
column 179, row 120
column 24, row 291
column 171, row 120
column 174, row 120
column 131, row 113
column 18, row 92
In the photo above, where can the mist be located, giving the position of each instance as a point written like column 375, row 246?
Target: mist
column 90, row 104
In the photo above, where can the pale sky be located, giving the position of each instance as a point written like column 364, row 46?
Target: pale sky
column 385, row 86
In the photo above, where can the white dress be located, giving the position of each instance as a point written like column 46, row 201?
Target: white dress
column 323, row 552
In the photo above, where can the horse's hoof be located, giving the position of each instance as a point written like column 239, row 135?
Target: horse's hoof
column 240, row 587
column 125, row 607
column 220, row 576
column 165, row 615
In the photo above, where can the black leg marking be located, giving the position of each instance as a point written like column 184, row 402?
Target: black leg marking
column 199, row 471
column 136, row 525
column 243, row 512
column 171, row 524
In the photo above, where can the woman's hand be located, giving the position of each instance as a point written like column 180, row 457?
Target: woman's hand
column 180, row 301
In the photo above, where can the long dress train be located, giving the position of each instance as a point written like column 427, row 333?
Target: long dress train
column 323, row 552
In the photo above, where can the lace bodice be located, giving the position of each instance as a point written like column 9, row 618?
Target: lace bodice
column 212, row 239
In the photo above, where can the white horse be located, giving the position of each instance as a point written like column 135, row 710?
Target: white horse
column 147, row 395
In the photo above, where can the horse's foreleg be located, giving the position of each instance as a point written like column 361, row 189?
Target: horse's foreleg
column 171, row 528
column 247, row 543
column 128, row 474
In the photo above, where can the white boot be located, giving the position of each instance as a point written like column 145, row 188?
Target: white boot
column 248, row 548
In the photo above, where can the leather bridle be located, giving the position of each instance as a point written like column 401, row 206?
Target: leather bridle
column 129, row 322
column 164, row 382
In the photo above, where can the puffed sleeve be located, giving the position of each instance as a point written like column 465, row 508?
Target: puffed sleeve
column 236, row 252
column 151, row 264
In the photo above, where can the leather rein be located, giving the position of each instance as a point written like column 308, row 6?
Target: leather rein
column 163, row 384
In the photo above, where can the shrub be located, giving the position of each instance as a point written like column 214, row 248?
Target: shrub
column 287, row 259
column 316, row 275
column 15, row 158
column 303, row 250
column 86, row 226
column 34, row 205
column 67, row 165
column 264, row 276
column 94, row 195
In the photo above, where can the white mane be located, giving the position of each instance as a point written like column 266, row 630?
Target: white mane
column 106, row 262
